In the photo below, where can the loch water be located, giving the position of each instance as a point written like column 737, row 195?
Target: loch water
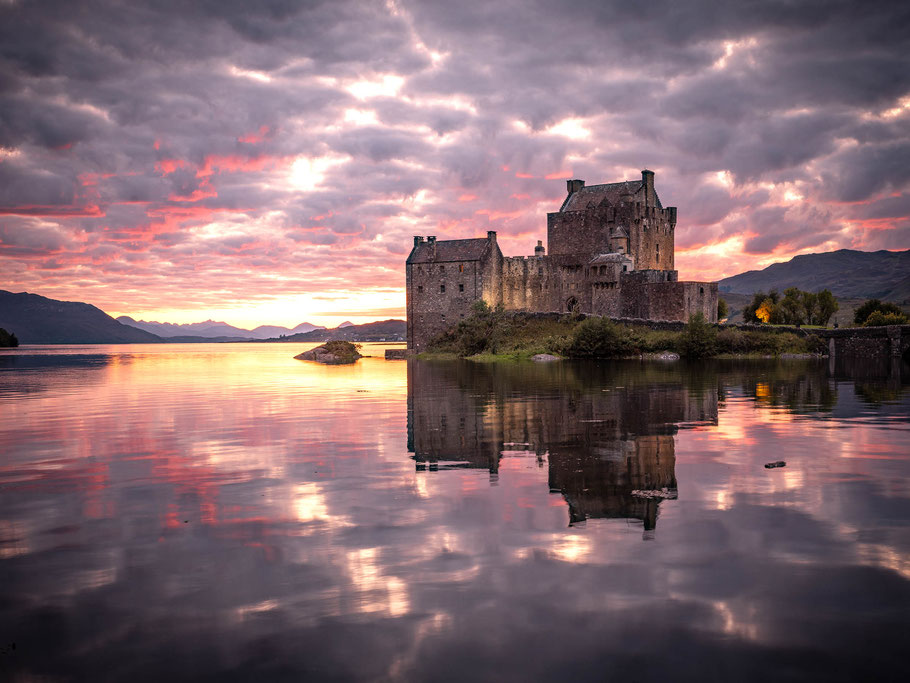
column 224, row 512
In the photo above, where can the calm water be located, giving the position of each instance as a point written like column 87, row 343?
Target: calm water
column 225, row 512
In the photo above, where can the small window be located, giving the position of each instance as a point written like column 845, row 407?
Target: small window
column 442, row 269
column 701, row 290
column 625, row 269
column 442, row 289
column 460, row 288
column 460, row 267
column 419, row 289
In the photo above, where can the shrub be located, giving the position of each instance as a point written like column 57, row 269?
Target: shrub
column 600, row 338
column 699, row 339
column 879, row 318
column 862, row 313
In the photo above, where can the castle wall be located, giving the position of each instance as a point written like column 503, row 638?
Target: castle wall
column 670, row 300
column 441, row 294
column 651, row 238
column 575, row 232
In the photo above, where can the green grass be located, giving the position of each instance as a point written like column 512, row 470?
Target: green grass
column 498, row 336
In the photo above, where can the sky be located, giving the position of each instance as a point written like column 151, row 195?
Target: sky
column 269, row 162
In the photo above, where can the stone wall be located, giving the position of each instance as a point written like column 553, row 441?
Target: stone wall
column 441, row 294
column 667, row 300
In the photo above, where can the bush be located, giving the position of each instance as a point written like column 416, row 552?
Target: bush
column 699, row 339
column 861, row 314
column 600, row 338
column 879, row 318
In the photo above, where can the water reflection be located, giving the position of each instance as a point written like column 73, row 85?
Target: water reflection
column 226, row 512
column 608, row 447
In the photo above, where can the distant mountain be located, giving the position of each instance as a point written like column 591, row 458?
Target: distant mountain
column 346, row 323
column 38, row 320
column 214, row 330
column 847, row 273
column 306, row 327
column 382, row 330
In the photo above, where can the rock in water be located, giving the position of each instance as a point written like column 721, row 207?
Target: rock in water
column 332, row 353
column 776, row 463
column 544, row 358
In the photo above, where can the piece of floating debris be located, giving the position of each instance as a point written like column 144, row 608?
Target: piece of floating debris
column 664, row 493
column 776, row 463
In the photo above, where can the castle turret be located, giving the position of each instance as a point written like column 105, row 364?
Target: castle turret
column 539, row 249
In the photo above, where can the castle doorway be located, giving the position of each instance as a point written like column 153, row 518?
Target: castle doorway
column 572, row 304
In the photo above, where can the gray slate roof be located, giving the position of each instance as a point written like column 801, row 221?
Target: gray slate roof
column 578, row 201
column 449, row 250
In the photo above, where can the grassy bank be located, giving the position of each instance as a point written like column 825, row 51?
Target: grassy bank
column 494, row 335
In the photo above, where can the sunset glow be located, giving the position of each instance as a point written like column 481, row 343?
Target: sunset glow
column 274, row 168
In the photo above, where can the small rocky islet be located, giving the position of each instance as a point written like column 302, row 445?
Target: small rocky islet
column 336, row 352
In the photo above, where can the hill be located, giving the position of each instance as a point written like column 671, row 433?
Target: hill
column 38, row 320
column 211, row 330
column 381, row 330
column 847, row 273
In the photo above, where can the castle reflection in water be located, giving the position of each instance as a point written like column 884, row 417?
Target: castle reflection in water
column 605, row 435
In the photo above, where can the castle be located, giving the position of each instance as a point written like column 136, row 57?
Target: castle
column 610, row 253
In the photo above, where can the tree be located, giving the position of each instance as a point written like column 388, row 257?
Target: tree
column 826, row 306
column 791, row 307
column 809, row 301
column 765, row 310
column 750, row 312
column 722, row 309
column 8, row 339
column 861, row 314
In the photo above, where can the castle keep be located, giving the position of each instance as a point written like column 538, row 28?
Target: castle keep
column 610, row 253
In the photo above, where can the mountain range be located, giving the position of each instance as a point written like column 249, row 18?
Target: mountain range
column 216, row 330
column 846, row 273
column 36, row 319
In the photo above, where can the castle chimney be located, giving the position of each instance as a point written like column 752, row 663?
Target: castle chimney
column 573, row 186
column 647, row 182
column 431, row 240
column 539, row 250
column 491, row 235
column 417, row 240
column 671, row 213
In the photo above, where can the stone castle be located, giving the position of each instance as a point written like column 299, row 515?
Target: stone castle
column 610, row 253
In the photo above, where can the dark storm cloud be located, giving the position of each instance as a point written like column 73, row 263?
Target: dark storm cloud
column 422, row 117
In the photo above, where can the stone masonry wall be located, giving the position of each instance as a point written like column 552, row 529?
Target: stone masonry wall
column 441, row 294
